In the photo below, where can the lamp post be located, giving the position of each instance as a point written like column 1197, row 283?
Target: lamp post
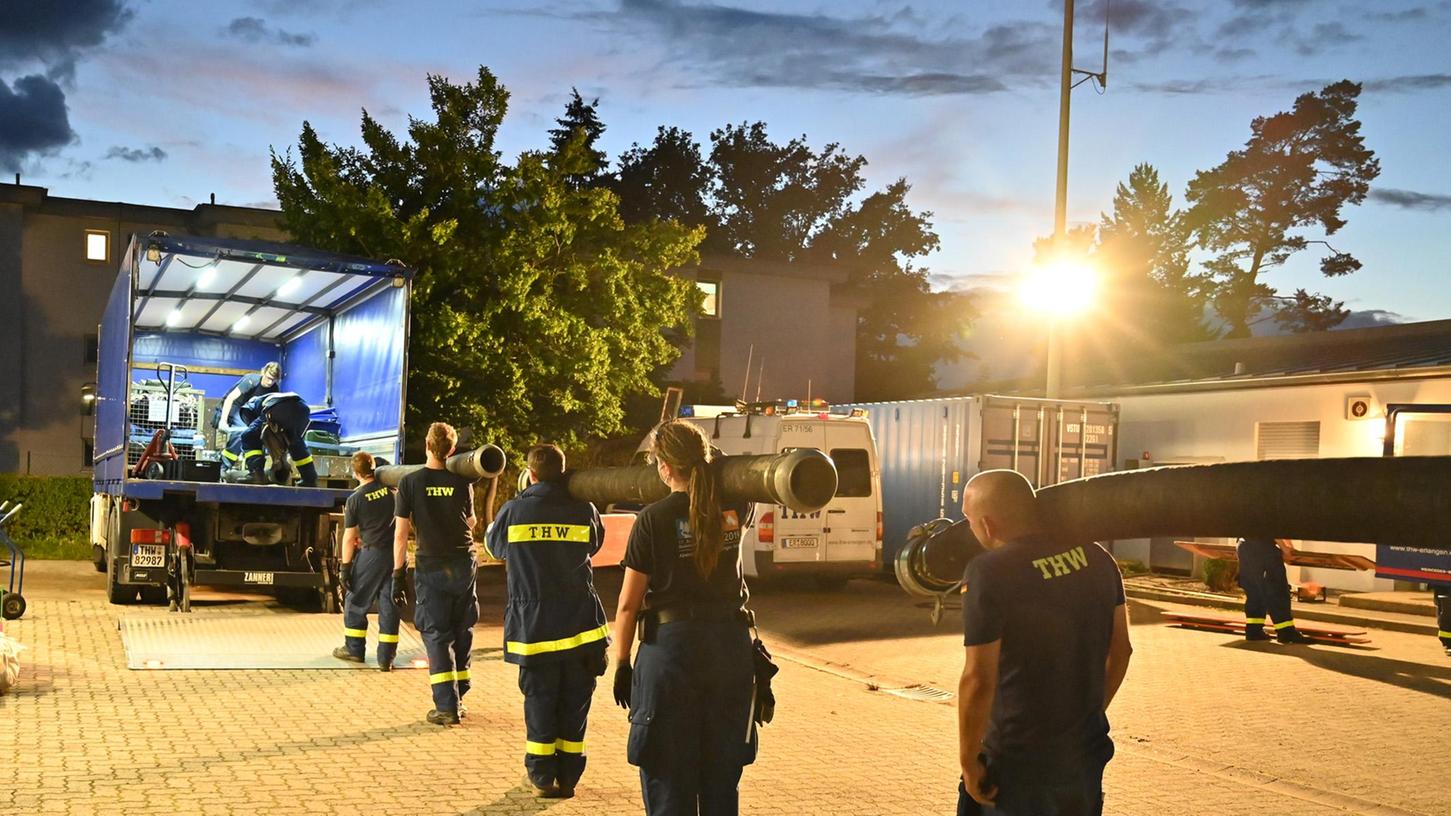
column 1059, row 288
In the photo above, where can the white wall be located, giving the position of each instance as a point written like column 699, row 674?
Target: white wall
column 1220, row 426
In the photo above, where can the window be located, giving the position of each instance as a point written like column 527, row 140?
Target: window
column 710, row 306
column 853, row 472
column 1287, row 440
column 98, row 246
column 88, row 452
column 92, row 350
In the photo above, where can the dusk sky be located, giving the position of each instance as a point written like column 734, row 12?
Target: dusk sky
column 166, row 101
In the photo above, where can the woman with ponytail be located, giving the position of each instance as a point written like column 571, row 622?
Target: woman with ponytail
column 689, row 692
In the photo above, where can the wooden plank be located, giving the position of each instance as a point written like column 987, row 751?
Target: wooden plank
column 1234, row 626
column 236, row 372
column 1298, row 558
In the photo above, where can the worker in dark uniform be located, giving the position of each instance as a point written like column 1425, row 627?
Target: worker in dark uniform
column 1047, row 646
column 1443, row 614
column 367, row 567
column 1266, row 590
column 554, row 624
column 689, row 693
column 439, row 505
column 228, row 414
column 285, row 414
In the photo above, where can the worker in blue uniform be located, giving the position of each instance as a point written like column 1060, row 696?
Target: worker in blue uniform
column 439, row 505
column 690, row 691
column 1266, row 591
column 554, row 624
column 285, row 414
column 228, row 414
column 367, row 567
column 1443, row 614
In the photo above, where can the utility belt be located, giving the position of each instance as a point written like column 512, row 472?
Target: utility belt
column 651, row 620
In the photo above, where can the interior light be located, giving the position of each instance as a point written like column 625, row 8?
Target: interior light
column 290, row 286
column 241, row 322
column 206, row 277
column 173, row 317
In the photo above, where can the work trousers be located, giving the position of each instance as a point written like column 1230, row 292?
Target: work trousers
column 691, row 731
column 445, row 611
column 1027, row 792
column 556, row 710
column 1443, row 613
column 1266, row 586
column 292, row 416
column 372, row 583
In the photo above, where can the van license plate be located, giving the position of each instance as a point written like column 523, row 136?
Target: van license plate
column 148, row 555
column 793, row 542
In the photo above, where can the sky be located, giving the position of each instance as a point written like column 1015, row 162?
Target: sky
column 168, row 101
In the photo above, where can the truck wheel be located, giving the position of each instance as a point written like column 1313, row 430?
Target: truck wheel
column 13, row 606
column 98, row 557
column 117, row 592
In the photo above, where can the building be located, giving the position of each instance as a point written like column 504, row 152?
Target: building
column 1297, row 396
column 796, row 324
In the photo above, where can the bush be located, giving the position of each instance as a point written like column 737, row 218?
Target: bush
column 55, row 523
column 1221, row 574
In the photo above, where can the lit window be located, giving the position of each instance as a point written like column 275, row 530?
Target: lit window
column 98, row 245
column 710, row 306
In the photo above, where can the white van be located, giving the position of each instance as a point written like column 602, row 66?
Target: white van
column 842, row 540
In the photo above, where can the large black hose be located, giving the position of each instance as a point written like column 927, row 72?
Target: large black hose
column 483, row 462
column 803, row 480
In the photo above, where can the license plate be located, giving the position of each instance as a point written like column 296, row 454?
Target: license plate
column 148, row 555
column 794, row 542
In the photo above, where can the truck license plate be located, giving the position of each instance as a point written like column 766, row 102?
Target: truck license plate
column 794, row 542
column 148, row 555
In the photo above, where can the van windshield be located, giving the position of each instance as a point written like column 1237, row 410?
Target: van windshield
column 853, row 472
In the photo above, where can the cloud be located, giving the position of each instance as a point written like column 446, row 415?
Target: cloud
column 256, row 30
column 1409, row 83
column 136, row 154
column 1324, row 37
column 1402, row 16
column 54, row 35
column 33, row 120
column 1370, row 318
column 1410, row 199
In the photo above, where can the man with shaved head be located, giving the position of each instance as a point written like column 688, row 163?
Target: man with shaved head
column 1047, row 639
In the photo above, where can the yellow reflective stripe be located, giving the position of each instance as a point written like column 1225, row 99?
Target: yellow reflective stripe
column 569, row 747
column 249, row 454
column 539, row 748
column 520, row 648
column 362, row 633
column 442, row 677
column 1260, row 621
column 549, row 532
column 1284, row 624
column 230, row 455
column 387, row 638
column 1443, row 634
column 306, row 460
column 461, row 675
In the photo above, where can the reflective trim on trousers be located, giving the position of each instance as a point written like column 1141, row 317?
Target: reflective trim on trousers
column 387, row 638
column 1284, row 624
column 563, row 644
column 357, row 633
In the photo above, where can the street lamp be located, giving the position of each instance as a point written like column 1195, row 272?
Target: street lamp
column 1059, row 288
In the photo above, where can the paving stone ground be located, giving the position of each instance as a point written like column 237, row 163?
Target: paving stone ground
column 1204, row 724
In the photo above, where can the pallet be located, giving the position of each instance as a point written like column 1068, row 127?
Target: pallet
column 1214, row 623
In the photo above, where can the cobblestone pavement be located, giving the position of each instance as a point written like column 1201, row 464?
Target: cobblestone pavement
column 1204, row 724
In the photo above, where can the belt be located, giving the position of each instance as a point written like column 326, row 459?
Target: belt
column 701, row 612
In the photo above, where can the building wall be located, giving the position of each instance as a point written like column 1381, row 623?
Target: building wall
column 1219, row 426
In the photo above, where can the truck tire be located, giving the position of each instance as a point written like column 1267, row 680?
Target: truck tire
column 117, row 592
column 98, row 557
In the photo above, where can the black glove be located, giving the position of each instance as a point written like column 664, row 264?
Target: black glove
column 603, row 665
column 623, row 676
column 345, row 576
column 400, row 588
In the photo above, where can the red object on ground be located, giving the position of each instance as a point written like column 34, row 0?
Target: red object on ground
column 1214, row 623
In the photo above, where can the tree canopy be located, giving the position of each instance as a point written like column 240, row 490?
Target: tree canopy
column 536, row 309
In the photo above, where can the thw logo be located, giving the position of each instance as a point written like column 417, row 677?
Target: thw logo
column 439, row 491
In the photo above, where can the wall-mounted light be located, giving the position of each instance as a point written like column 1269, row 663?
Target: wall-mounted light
column 241, row 322
column 173, row 318
column 290, row 286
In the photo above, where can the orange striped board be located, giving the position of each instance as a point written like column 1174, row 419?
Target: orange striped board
column 1214, row 623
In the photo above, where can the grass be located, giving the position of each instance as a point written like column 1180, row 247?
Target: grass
column 50, row 548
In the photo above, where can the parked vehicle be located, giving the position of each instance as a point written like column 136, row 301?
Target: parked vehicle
column 186, row 318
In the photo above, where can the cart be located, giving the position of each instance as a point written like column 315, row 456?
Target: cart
column 12, row 602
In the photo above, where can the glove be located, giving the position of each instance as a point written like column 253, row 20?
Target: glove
column 623, row 676
column 345, row 576
column 400, row 588
column 603, row 665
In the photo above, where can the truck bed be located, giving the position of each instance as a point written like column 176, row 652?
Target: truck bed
column 225, row 493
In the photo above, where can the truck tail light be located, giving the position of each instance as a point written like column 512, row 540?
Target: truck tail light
column 879, row 528
column 766, row 528
column 183, row 535
column 150, row 536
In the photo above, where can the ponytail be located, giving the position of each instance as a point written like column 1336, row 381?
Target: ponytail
column 685, row 448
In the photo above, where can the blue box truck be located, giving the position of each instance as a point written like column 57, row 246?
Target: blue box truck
column 188, row 316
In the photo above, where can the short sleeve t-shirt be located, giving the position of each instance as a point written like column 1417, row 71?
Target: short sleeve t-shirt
column 439, row 504
column 661, row 547
column 370, row 509
column 1052, row 605
column 249, row 386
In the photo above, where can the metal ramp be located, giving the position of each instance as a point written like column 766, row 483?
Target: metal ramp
column 251, row 641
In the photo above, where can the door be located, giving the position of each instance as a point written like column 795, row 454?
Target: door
column 800, row 537
column 851, row 517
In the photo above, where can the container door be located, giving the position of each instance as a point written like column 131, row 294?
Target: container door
column 1011, row 437
column 851, row 517
column 1082, row 441
column 800, row 537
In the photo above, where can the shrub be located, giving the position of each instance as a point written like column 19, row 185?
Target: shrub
column 1221, row 574
column 55, row 522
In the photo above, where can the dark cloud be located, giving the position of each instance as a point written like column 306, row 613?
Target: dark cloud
column 256, row 30
column 1324, row 37
column 1410, row 199
column 136, row 154
column 1402, row 16
column 1234, row 54
column 33, row 120
column 1410, row 83
column 1370, row 319
column 54, row 34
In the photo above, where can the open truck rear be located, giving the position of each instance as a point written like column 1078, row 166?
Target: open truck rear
column 186, row 318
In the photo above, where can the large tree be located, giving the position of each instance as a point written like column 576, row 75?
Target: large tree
column 1296, row 173
column 586, row 164
column 667, row 180
column 536, row 310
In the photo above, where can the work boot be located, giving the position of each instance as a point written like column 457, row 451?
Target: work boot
column 385, row 665
column 441, row 717
column 1448, row 651
column 256, row 476
column 564, row 793
column 542, row 791
column 342, row 653
column 1292, row 635
column 307, row 475
column 463, row 711
column 1256, row 632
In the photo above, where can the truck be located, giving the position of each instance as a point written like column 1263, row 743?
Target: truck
column 186, row 317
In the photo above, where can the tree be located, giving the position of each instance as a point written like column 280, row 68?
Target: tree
column 536, row 310
column 1298, row 170
column 1308, row 313
column 581, row 121
column 1143, row 250
column 668, row 180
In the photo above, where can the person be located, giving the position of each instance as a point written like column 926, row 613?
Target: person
column 439, row 505
column 367, row 567
column 554, row 624
column 1442, row 594
column 287, row 415
column 1047, row 646
column 227, row 416
column 689, row 693
column 1266, row 590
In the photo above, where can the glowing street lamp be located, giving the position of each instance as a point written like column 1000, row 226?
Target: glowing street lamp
column 1060, row 288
